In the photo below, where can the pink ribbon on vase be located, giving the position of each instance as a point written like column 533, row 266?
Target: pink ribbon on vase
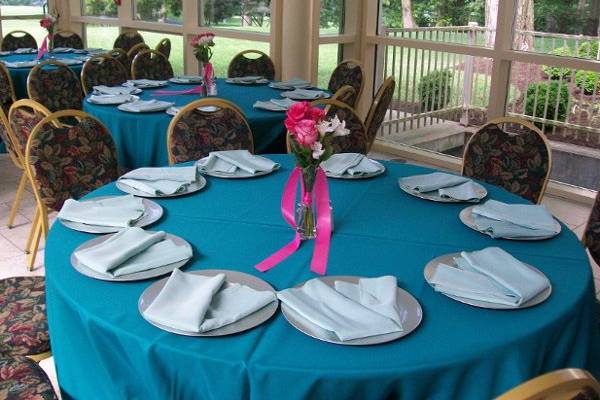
column 196, row 90
column 323, row 237
column 44, row 47
column 208, row 73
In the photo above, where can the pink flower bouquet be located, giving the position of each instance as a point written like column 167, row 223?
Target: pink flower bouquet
column 202, row 44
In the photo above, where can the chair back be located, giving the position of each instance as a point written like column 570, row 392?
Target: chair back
column 519, row 161
column 241, row 65
column 23, row 116
column 570, row 383
column 135, row 50
column 121, row 56
column 102, row 70
column 9, row 139
column 356, row 141
column 348, row 72
column 127, row 40
column 70, row 39
column 150, row 64
column 55, row 85
column 18, row 40
column 66, row 162
column 379, row 108
column 206, row 125
column 346, row 94
column 164, row 47
column 591, row 234
column 7, row 89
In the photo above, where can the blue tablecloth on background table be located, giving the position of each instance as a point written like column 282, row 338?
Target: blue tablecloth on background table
column 103, row 349
column 19, row 75
column 141, row 139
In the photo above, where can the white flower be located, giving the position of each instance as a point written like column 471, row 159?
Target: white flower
column 323, row 127
column 318, row 150
column 339, row 127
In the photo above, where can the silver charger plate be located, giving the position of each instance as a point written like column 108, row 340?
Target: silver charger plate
column 114, row 103
column 412, row 315
column 152, row 213
column 137, row 276
column 448, row 259
column 238, row 174
column 466, row 217
column 362, row 176
column 192, row 188
column 434, row 195
column 244, row 324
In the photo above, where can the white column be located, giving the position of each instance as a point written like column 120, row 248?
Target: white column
column 299, row 39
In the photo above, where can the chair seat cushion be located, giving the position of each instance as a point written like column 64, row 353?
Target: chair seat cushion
column 23, row 379
column 23, row 323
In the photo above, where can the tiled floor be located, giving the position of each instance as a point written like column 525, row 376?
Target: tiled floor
column 12, row 241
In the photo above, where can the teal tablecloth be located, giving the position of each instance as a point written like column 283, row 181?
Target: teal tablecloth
column 103, row 349
column 141, row 139
column 19, row 75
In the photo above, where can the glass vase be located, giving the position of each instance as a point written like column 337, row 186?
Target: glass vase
column 306, row 222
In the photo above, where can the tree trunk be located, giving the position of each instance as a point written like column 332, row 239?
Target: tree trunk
column 407, row 17
column 491, row 18
column 524, row 22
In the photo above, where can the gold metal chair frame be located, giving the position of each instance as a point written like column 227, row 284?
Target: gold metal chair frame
column 561, row 384
column 161, row 44
column 210, row 101
column 243, row 53
column 101, row 59
column 344, row 93
column 509, row 120
column 389, row 81
column 143, row 53
column 11, row 34
column 137, row 49
column 38, row 67
column 359, row 65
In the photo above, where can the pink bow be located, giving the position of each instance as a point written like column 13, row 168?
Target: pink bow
column 44, row 47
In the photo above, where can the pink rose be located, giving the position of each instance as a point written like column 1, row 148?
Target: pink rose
column 306, row 132
column 45, row 23
column 317, row 114
column 295, row 114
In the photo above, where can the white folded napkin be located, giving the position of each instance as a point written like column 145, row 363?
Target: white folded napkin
column 186, row 79
column 290, row 84
column 146, row 83
column 146, row 106
column 160, row 181
column 25, row 50
column 305, row 94
column 114, row 90
column 5, row 53
column 196, row 303
column 347, row 317
column 246, row 79
column 465, row 191
column 490, row 275
column 110, row 99
column 349, row 163
column 430, row 182
column 275, row 104
column 62, row 50
column 118, row 211
column 69, row 61
column 230, row 161
column 132, row 250
column 91, row 50
column 20, row 64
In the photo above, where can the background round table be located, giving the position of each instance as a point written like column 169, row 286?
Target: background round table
column 104, row 349
column 141, row 138
column 19, row 75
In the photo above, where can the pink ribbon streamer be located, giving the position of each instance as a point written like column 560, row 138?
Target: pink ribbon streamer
column 196, row 90
column 288, row 204
column 209, row 73
column 43, row 48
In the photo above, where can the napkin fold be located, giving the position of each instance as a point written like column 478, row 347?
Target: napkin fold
column 491, row 275
column 247, row 79
column 305, row 94
column 275, row 104
column 349, row 163
column 230, row 161
column 146, row 106
column 146, row 83
column 290, row 84
column 69, row 61
column 465, row 191
column 110, row 99
column 118, row 211
column 196, row 303
column 430, row 182
column 25, row 50
column 514, row 220
column 353, row 312
column 62, row 50
column 114, row 90
column 160, row 181
column 186, row 79
column 132, row 250
column 20, row 64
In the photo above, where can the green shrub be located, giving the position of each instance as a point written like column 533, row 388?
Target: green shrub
column 558, row 72
column 435, row 90
column 554, row 93
column 588, row 81
column 588, row 50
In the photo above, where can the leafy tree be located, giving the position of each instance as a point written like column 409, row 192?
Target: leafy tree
column 332, row 13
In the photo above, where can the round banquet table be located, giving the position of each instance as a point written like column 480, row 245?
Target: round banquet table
column 141, row 138
column 19, row 75
column 104, row 349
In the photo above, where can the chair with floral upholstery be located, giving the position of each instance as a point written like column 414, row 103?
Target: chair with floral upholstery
column 348, row 72
column 379, row 108
column 121, row 56
column 164, row 47
column 66, row 162
column 512, row 154
column 150, row 64
column 207, row 125
column 135, row 50
column 18, row 40
column 346, row 94
column 102, row 70
column 68, row 39
column 55, row 85
column 356, row 141
column 127, row 40
column 260, row 65
column 591, row 237
column 7, row 89
column 23, row 379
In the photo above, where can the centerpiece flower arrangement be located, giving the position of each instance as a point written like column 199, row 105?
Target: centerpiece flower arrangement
column 49, row 23
column 202, row 45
